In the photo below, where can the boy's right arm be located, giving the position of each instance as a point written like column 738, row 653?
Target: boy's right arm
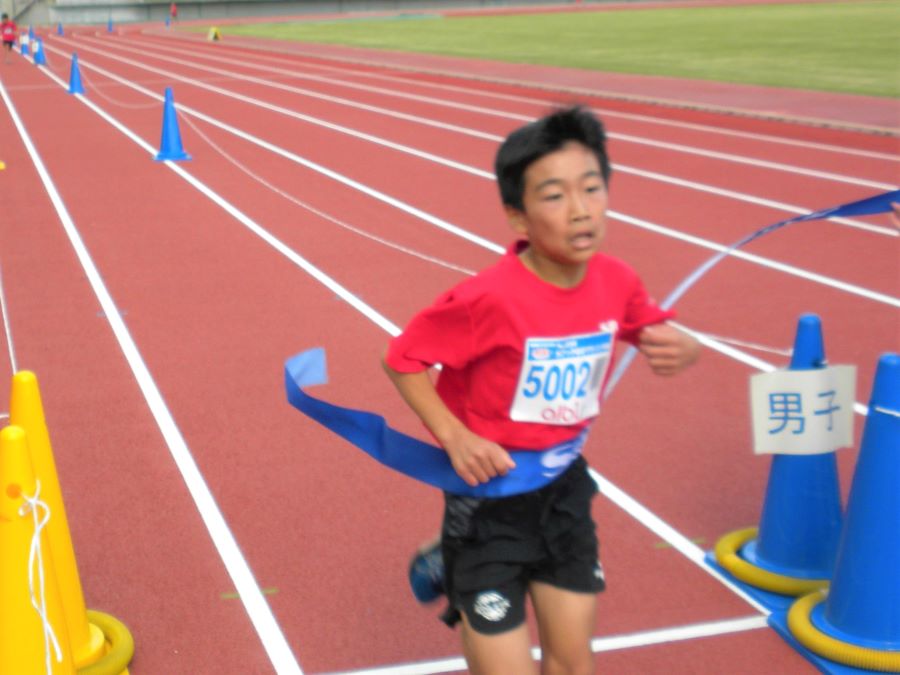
column 474, row 458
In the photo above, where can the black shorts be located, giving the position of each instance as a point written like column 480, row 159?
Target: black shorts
column 494, row 548
column 8, row 44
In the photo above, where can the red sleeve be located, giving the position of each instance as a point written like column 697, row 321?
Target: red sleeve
column 641, row 311
column 441, row 333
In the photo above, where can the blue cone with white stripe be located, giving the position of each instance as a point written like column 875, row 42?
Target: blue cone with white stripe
column 40, row 59
column 801, row 518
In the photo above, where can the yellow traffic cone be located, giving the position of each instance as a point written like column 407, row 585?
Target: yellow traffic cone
column 100, row 643
column 27, row 412
column 29, row 643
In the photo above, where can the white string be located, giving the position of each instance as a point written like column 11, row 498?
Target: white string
column 9, row 340
column 322, row 214
column 98, row 90
column 35, row 555
column 738, row 343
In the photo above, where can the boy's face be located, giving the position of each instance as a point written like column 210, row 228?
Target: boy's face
column 564, row 213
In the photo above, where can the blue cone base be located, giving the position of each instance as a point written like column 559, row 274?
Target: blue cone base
column 768, row 599
column 750, row 553
column 778, row 621
column 172, row 156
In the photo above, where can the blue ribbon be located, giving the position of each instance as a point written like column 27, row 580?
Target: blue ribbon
column 417, row 459
column 865, row 207
column 431, row 464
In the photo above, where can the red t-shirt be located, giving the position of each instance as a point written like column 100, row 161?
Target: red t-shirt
column 8, row 31
column 478, row 332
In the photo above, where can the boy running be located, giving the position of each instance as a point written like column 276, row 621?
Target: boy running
column 8, row 33
column 524, row 347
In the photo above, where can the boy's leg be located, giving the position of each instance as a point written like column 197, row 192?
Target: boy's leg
column 566, row 621
column 507, row 653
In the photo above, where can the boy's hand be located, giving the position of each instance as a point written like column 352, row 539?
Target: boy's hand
column 668, row 350
column 476, row 459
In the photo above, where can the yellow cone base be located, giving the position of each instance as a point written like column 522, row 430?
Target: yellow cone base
column 118, row 645
column 802, row 628
column 94, row 650
column 726, row 552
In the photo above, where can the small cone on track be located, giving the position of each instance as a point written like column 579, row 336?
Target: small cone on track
column 75, row 86
column 40, row 59
column 795, row 546
column 27, row 642
column 170, row 147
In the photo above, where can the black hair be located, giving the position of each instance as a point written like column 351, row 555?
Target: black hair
column 548, row 134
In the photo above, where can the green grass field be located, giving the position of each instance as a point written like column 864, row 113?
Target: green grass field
column 851, row 47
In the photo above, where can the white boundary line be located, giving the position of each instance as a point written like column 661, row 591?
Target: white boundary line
column 257, row 608
column 6, row 327
column 598, row 645
column 157, row 39
column 438, row 222
column 478, row 134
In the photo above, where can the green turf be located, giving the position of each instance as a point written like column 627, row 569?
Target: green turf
column 846, row 47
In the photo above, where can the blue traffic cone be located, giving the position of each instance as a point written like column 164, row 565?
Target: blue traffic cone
column 75, row 86
column 793, row 550
column 858, row 624
column 40, row 59
column 59, row 29
column 31, row 33
column 170, row 147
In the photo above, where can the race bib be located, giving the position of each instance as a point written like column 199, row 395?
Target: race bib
column 561, row 378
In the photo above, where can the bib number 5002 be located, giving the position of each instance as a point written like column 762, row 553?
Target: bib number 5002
column 554, row 382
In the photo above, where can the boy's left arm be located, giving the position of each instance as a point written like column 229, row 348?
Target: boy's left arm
column 668, row 350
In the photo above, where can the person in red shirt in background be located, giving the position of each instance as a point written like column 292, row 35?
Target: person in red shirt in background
column 8, row 31
column 173, row 11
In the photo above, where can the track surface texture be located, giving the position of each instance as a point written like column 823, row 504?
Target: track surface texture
column 233, row 535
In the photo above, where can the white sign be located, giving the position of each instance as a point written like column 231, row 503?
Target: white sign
column 803, row 412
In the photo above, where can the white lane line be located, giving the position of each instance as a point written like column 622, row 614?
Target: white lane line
column 489, row 94
column 759, row 260
column 258, row 610
column 485, row 243
column 618, row 496
column 340, row 178
column 650, row 175
column 675, row 147
column 6, row 328
column 598, row 645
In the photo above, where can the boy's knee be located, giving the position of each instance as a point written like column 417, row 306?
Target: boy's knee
column 581, row 663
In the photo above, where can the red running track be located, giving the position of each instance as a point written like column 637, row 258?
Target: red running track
column 212, row 308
